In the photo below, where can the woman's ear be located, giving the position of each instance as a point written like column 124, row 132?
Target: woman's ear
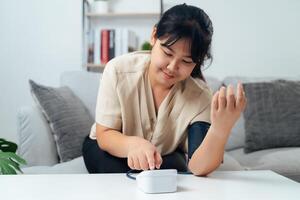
column 153, row 36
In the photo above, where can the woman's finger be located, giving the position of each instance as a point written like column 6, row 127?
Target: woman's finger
column 222, row 98
column 136, row 163
column 130, row 163
column 151, row 160
column 143, row 162
column 230, row 98
column 241, row 99
column 215, row 101
column 158, row 160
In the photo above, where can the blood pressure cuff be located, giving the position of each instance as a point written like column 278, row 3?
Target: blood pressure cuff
column 196, row 134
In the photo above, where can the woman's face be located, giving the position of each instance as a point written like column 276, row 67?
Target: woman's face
column 170, row 65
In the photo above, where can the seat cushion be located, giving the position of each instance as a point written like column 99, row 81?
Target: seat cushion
column 75, row 166
column 230, row 164
column 284, row 161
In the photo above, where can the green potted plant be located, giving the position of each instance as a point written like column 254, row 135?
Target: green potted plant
column 9, row 161
column 146, row 46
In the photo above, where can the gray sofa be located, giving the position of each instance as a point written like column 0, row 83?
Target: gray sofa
column 37, row 145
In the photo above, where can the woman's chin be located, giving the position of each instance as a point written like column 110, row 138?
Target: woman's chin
column 167, row 82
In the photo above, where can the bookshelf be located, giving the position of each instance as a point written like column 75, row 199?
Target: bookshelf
column 116, row 15
column 134, row 20
column 92, row 65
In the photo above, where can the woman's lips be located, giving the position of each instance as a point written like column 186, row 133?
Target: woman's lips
column 167, row 76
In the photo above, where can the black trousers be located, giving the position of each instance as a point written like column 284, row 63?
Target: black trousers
column 98, row 161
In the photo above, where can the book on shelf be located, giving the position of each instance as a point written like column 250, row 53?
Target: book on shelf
column 104, row 51
column 109, row 43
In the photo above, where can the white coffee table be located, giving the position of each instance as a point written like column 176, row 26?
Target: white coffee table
column 218, row 185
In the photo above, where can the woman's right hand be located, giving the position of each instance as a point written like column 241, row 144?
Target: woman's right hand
column 227, row 108
column 143, row 155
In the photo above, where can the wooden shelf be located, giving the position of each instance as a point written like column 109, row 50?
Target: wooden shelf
column 92, row 65
column 138, row 15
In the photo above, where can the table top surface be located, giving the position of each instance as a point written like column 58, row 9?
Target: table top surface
column 223, row 185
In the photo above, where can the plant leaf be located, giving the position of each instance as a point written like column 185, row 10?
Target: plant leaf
column 16, row 158
column 10, row 163
column 6, row 168
column 15, row 164
column 7, row 146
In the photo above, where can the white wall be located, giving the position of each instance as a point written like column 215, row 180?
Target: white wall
column 253, row 37
column 38, row 40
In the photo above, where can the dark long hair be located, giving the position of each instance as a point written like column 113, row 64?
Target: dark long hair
column 185, row 21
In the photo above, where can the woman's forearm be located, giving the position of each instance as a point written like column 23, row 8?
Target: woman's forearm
column 114, row 142
column 209, row 155
column 226, row 108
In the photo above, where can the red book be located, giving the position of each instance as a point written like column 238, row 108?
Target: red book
column 104, row 46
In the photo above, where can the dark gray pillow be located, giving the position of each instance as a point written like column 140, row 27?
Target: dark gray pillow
column 68, row 118
column 272, row 115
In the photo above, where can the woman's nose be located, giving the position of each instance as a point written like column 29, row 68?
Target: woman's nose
column 172, row 66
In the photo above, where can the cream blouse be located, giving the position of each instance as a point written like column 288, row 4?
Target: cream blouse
column 125, row 103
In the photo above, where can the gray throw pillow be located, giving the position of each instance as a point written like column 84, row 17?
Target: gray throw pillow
column 272, row 115
column 69, row 120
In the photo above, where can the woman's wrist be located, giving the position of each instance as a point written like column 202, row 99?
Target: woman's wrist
column 133, row 142
column 220, row 132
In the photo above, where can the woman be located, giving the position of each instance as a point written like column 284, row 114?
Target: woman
column 154, row 107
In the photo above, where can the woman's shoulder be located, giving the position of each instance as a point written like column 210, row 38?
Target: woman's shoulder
column 198, row 87
column 129, row 63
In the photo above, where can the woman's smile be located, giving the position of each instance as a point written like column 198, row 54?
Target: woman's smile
column 167, row 75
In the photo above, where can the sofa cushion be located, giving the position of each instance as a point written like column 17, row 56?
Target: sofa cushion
column 75, row 166
column 229, row 164
column 272, row 115
column 284, row 161
column 84, row 85
column 36, row 142
column 237, row 137
column 213, row 83
column 69, row 120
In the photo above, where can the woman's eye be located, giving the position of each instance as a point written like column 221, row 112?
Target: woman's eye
column 187, row 62
column 167, row 53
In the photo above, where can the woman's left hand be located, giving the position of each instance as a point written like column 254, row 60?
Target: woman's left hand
column 226, row 108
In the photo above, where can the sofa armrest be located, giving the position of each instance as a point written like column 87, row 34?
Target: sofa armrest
column 36, row 142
